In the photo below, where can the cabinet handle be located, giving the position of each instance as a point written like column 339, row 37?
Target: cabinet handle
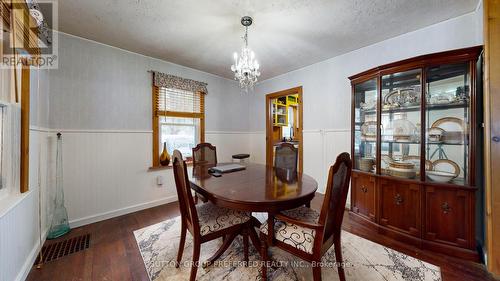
column 445, row 207
column 364, row 189
column 398, row 199
column 496, row 139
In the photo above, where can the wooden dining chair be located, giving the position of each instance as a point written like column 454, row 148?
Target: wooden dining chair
column 204, row 153
column 308, row 234
column 286, row 156
column 206, row 221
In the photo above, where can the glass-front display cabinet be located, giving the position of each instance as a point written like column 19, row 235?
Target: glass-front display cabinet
column 448, row 122
column 400, row 124
column 415, row 126
column 365, row 125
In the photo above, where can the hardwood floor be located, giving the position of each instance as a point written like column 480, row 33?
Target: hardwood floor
column 114, row 255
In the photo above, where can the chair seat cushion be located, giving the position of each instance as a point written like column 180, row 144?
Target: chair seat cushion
column 241, row 156
column 303, row 213
column 213, row 218
column 302, row 238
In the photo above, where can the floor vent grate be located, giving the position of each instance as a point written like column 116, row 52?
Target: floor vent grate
column 63, row 248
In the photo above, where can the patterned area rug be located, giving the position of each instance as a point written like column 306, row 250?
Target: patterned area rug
column 364, row 260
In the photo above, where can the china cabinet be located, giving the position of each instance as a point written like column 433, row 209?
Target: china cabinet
column 415, row 130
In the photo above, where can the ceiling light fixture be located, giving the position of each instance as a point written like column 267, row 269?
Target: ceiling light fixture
column 246, row 67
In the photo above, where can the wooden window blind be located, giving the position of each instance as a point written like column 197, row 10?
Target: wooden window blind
column 25, row 29
column 173, row 102
column 16, row 18
column 176, row 103
column 5, row 14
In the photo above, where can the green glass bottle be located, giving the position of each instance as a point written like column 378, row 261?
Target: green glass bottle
column 59, row 225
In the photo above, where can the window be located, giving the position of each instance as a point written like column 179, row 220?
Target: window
column 180, row 133
column 5, row 153
column 15, row 93
column 178, row 121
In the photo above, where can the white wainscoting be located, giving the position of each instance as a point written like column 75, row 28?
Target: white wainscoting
column 105, row 175
column 321, row 148
column 257, row 147
column 19, row 226
column 228, row 143
column 105, row 172
column 19, row 240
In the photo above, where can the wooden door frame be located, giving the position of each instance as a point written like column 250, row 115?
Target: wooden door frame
column 25, row 127
column 492, row 129
column 269, row 145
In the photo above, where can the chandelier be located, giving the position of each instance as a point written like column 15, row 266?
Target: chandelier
column 245, row 67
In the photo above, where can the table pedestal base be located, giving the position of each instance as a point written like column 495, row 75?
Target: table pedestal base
column 247, row 231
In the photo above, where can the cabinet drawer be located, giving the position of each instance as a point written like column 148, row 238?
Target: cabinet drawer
column 400, row 206
column 363, row 195
column 449, row 216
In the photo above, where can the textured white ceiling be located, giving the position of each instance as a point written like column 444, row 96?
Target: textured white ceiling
column 286, row 34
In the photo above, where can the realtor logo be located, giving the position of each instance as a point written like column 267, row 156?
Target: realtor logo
column 28, row 36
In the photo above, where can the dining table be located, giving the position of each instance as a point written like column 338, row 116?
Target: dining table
column 257, row 188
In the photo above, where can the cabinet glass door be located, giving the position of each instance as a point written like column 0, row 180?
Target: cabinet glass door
column 365, row 125
column 447, row 123
column 400, row 124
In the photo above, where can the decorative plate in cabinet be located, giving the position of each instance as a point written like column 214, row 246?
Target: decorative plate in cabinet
column 443, row 170
column 402, row 97
column 454, row 129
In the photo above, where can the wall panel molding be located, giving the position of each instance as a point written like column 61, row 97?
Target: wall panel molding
column 106, row 171
column 48, row 130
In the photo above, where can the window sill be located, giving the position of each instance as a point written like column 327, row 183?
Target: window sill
column 161, row 168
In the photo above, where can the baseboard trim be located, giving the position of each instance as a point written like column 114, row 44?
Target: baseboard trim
column 30, row 260
column 120, row 212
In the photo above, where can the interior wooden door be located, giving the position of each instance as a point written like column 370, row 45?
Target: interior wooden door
column 269, row 124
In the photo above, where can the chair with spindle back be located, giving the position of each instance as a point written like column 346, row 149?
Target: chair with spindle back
column 205, row 221
column 308, row 234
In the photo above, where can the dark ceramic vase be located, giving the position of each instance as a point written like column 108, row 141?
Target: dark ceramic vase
column 164, row 157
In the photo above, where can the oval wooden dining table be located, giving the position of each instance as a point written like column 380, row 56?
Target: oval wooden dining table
column 257, row 188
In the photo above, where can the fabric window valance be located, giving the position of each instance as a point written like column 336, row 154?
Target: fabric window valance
column 179, row 83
